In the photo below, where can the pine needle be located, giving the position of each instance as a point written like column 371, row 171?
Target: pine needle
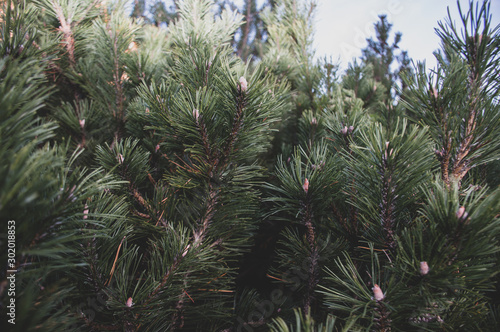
column 275, row 278
column 188, row 296
column 114, row 263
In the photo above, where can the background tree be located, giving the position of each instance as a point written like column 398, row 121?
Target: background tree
column 377, row 79
column 250, row 36
column 381, row 53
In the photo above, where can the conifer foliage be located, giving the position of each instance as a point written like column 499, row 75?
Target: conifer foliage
column 160, row 180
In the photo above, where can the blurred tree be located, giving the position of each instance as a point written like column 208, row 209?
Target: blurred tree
column 249, row 38
column 380, row 53
column 376, row 80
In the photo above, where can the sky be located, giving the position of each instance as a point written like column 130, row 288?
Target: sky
column 342, row 26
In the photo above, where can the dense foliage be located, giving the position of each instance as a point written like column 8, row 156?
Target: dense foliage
column 196, row 169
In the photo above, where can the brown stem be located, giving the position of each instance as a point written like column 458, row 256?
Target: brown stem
column 205, row 221
column 246, row 32
column 388, row 202
column 461, row 163
column 137, row 195
column 312, row 279
column 198, row 236
column 202, row 129
column 460, row 166
column 237, row 122
column 119, row 96
column 381, row 319
column 68, row 38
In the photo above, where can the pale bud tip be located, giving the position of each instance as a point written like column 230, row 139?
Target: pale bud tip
column 186, row 250
column 461, row 213
column 121, row 158
column 82, row 123
column 129, row 302
column 132, row 46
column 434, row 92
column 377, row 293
column 86, row 211
column 196, row 114
column 243, row 84
column 305, row 186
column 424, row 268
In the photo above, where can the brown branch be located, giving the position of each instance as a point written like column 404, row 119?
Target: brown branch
column 164, row 280
column 461, row 164
column 199, row 234
column 119, row 97
column 65, row 28
column 312, row 279
column 237, row 122
column 388, row 203
column 137, row 195
column 202, row 129
column 114, row 263
column 246, row 32
column 142, row 215
column 180, row 306
column 381, row 319
column 460, row 167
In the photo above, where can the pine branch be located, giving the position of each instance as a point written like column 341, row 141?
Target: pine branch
column 313, row 258
column 65, row 28
column 381, row 318
column 119, row 96
column 242, row 51
column 210, row 210
column 236, row 126
column 389, row 200
column 461, row 165
column 209, row 153
column 138, row 197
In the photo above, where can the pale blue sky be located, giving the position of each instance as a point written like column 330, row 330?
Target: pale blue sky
column 342, row 26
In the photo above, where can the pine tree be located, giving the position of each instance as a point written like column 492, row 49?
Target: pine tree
column 289, row 56
column 375, row 80
column 400, row 255
column 248, row 40
column 44, row 194
column 178, row 204
column 459, row 101
column 380, row 53
column 160, row 181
